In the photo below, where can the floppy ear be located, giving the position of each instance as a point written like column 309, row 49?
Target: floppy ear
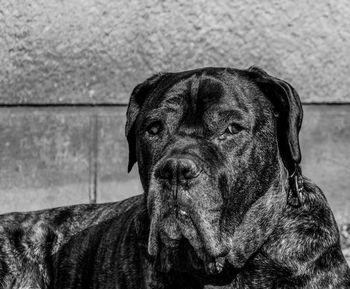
column 137, row 99
column 287, row 104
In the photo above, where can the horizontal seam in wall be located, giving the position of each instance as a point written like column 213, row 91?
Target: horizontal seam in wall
column 91, row 105
column 111, row 105
column 327, row 103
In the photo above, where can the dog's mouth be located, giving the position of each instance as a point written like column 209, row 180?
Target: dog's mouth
column 184, row 258
column 187, row 229
column 181, row 247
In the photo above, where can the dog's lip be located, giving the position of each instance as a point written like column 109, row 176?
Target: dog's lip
column 216, row 267
column 212, row 265
column 169, row 242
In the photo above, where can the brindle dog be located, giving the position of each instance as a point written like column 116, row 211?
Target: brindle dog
column 225, row 201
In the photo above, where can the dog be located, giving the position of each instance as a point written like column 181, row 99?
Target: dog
column 224, row 202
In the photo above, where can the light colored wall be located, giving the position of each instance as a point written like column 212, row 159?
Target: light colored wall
column 97, row 50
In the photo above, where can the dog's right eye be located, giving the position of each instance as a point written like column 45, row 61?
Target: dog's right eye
column 154, row 128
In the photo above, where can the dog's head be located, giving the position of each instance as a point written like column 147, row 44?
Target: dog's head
column 209, row 144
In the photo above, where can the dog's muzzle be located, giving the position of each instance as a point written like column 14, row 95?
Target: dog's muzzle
column 190, row 205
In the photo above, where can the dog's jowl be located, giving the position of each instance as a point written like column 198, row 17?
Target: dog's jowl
column 224, row 199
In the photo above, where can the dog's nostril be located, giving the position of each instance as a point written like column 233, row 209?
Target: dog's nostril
column 180, row 168
column 168, row 169
column 188, row 169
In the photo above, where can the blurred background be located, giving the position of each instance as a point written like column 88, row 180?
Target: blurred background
column 67, row 69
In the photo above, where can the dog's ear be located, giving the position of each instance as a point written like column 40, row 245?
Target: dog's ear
column 288, row 107
column 137, row 99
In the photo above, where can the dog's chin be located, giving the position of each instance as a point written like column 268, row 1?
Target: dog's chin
column 181, row 249
column 180, row 256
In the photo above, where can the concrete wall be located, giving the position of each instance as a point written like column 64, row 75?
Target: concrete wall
column 97, row 50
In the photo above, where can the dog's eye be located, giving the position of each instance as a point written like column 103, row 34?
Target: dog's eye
column 154, row 128
column 233, row 129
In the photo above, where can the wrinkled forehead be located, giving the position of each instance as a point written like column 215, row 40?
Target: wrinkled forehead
column 205, row 90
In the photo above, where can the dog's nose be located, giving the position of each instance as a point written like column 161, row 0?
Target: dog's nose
column 178, row 169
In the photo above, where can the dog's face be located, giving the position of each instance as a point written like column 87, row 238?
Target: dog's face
column 206, row 143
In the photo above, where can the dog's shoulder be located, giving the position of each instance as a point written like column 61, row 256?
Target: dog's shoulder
column 305, row 231
column 307, row 237
column 313, row 220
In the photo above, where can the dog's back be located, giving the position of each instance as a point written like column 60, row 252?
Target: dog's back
column 29, row 241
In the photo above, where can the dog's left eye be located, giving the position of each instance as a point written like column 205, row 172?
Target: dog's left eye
column 233, row 129
column 154, row 128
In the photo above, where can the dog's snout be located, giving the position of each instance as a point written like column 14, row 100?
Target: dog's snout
column 178, row 169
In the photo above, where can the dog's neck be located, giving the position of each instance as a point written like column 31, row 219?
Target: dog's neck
column 259, row 221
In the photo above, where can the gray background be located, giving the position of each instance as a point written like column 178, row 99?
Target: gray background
column 67, row 69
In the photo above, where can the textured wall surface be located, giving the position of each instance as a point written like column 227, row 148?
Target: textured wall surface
column 97, row 50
